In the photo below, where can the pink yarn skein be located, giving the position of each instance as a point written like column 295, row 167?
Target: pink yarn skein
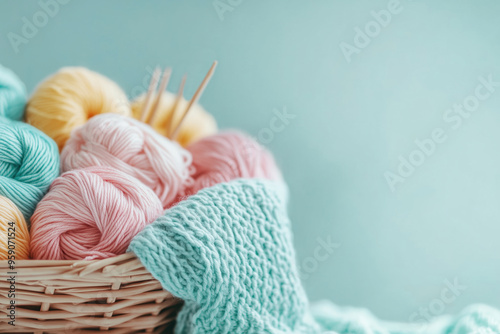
column 131, row 147
column 227, row 156
column 91, row 213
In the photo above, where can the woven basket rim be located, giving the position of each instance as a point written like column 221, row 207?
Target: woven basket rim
column 116, row 292
column 123, row 268
column 113, row 259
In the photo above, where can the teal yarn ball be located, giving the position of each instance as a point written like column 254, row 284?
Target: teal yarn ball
column 13, row 95
column 29, row 162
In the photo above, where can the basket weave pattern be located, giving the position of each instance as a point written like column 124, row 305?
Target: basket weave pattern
column 116, row 295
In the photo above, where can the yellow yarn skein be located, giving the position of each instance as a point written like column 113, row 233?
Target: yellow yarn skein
column 71, row 96
column 197, row 124
column 14, row 235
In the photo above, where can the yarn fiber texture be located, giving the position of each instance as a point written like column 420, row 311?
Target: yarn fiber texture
column 12, row 95
column 91, row 213
column 227, row 156
column 131, row 147
column 29, row 162
column 197, row 124
column 227, row 252
column 475, row 319
column 69, row 98
column 14, row 235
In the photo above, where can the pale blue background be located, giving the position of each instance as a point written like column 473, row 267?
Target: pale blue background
column 352, row 122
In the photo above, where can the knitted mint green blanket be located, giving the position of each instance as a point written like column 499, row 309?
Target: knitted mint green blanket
column 228, row 253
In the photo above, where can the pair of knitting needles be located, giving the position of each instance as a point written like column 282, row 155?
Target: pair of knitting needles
column 148, row 114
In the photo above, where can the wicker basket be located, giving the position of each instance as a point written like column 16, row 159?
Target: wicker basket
column 115, row 295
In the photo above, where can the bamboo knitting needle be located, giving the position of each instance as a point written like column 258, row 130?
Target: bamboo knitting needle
column 152, row 86
column 195, row 98
column 178, row 98
column 163, row 85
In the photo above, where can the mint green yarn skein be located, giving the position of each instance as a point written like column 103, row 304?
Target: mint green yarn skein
column 29, row 162
column 13, row 95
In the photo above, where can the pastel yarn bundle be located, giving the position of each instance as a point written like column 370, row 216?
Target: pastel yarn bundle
column 227, row 156
column 29, row 162
column 14, row 235
column 69, row 98
column 119, row 174
column 91, row 213
column 133, row 148
column 12, row 95
column 197, row 124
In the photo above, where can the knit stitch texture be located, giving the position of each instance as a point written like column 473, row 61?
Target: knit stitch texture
column 227, row 252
